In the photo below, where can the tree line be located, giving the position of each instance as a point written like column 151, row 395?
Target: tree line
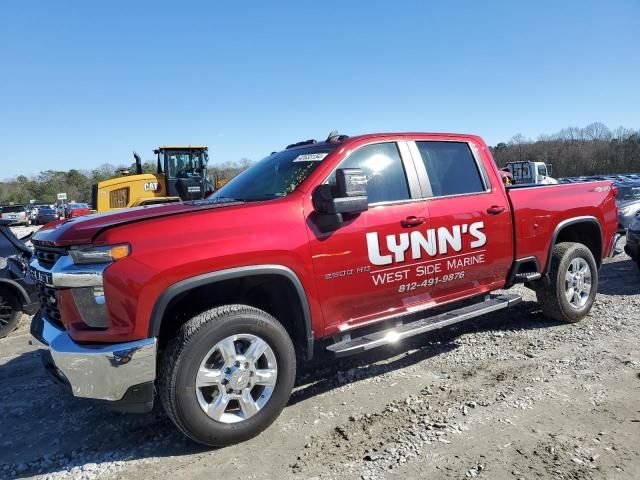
column 44, row 187
column 573, row 151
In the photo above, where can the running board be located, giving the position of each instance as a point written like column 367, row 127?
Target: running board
column 355, row 345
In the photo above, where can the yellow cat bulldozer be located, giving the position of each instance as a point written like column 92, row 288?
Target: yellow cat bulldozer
column 181, row 174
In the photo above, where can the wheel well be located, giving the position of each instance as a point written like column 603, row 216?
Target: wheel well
column 273, row 293
column 585, row 232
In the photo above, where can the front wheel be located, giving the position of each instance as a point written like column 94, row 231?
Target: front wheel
column 226, row 374
column 573, row 283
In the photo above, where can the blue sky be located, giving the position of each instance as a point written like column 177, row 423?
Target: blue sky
column 85, row 83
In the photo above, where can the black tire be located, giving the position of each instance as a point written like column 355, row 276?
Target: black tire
column 552, row 298
column 188, row 348
column 10, row 312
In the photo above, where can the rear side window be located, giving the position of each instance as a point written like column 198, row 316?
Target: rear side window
column 451, row 168
column 382, row 165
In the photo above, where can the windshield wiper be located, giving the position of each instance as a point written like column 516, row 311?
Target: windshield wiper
column 227, row 199
column 264, row 196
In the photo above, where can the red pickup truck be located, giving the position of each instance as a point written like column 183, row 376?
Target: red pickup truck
column 343, row 245
column 76, row 210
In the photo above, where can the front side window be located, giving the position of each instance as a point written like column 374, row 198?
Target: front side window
column 542, row 170
column 451, row 168
column 274, row 176
column 382, row 166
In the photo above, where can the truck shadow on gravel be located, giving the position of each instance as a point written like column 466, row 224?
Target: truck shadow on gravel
column 326, row 373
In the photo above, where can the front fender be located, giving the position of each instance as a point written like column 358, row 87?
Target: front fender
column 210, row 278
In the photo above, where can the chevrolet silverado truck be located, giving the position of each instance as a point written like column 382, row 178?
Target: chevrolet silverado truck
column 342, row 245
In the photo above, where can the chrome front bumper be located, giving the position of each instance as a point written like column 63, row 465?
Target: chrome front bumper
column 103, row 372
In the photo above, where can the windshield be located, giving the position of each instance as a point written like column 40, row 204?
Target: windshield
column 78, row 206
column 185, row 164
column 629, row 193
column 274, row 176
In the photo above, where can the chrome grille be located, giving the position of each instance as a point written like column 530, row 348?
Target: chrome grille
column 48, row 302
column 48, row 256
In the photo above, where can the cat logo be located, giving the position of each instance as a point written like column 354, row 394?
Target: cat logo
column 151, row 187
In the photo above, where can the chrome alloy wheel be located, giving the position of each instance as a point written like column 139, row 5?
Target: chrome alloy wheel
column 236, row 378
column 577, row 282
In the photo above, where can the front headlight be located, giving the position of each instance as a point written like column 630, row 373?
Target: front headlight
column 104, row 254
column 625, row 210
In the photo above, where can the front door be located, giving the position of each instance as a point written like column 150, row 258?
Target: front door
column 364, row 269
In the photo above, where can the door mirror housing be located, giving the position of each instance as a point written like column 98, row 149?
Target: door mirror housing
column 348, row 197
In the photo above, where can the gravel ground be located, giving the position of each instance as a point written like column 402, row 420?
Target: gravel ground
column 22, row 231
column 508, row 396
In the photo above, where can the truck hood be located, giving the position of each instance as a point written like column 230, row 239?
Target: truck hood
column 82, row 230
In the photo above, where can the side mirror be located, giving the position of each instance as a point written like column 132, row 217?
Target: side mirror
column 348, row 197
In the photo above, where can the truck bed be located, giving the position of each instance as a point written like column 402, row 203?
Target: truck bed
column 540, row 210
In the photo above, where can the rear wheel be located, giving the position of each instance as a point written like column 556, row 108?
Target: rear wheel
column 573, row 283
column 10, row 312
column 227, row 374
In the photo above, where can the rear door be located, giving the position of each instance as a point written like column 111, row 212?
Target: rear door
column 364, row 270
column 471, row 223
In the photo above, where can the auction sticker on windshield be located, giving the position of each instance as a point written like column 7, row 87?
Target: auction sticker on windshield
column 310, row 157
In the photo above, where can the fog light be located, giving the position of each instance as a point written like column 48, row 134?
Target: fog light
column 98, row 295
column 90, row 303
